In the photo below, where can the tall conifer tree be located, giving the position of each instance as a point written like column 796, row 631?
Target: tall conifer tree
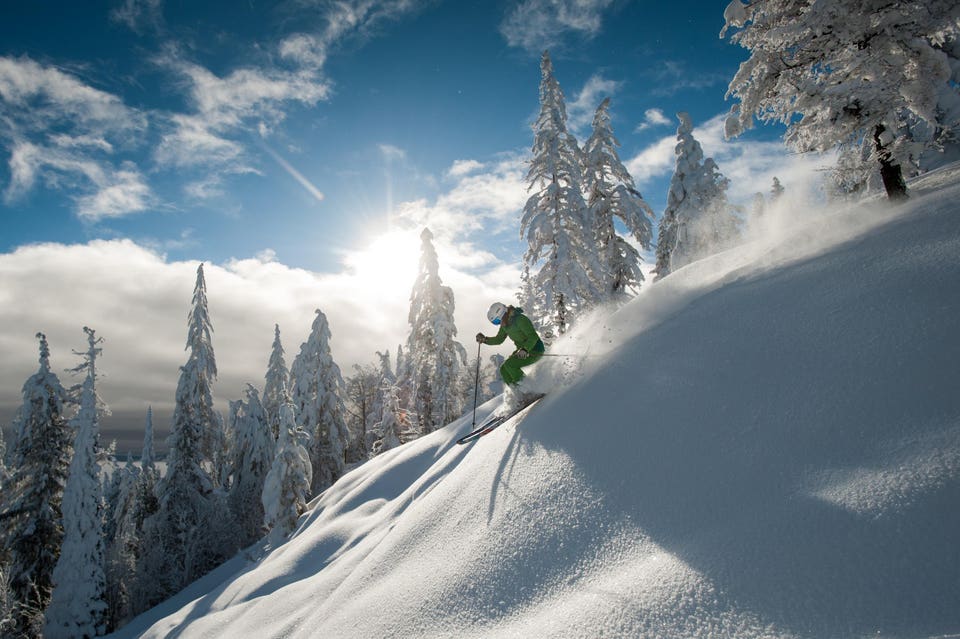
column 556, row 222
column 78, row 605
column 318, row 400
column 287, row 485
column 612, row 195
column 253, row 456
column 183, row 538
column 698, row 219
column 434, row 359
column 277, row 378
column 34, row 497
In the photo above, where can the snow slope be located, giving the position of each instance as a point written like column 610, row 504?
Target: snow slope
column 764, row 444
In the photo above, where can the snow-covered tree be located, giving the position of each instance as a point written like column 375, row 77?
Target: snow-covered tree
column 4, row 476
column 253, row 456
column 133, row 503
column 277, row 378
column 195, row 393
column 556, row 222
column 776, row 190
column 854, row 175
column 612, row 195
column 78, row 603
column 698, row 219
column 187, row 536
column 361, row 405
column 287, row 484
column 434, row 357
column 121, row 543
column 841, row 72
column 33, row 497
column 317, row 397
column 389, row 428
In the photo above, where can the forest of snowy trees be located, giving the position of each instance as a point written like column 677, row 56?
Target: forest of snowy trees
column 90, row 542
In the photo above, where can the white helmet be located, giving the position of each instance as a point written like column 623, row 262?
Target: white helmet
column 496, row 312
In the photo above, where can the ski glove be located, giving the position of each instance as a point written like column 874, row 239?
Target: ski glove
column 522, row 353
column 480, row 338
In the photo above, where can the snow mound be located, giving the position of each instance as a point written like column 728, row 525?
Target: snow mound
column 764, row 444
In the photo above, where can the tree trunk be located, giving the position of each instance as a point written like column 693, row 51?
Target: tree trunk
column 890, row 173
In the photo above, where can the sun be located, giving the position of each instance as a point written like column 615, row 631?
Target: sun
column 387, row 266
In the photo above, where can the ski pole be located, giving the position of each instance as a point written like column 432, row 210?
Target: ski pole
column 565, row 355
column 476, row 386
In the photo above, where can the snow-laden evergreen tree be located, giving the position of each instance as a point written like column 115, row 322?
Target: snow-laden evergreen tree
column 188, row 535
column 842, row 72
column 776, row 190
column 33, row 498
column 6, row 601
column 78, row 604
column 277, row 378
column 612, row 195
column 561, row 252
column 698, row 219
column 405, row 379
column 434, row 357
column 194, row 408
column 854, row 175
column 389, row 428
column 360, row 402
column 134, row 503
column 122, row 543
column 4, row 475
column 386, row 378
column 253, row 456
column 287, row 485
column 318, row 399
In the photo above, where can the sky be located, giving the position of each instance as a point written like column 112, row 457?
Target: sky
column 298, row 148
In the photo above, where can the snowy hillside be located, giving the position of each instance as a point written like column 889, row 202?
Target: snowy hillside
column 765, row 444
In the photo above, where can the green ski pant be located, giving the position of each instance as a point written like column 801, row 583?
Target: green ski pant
column 511, row 371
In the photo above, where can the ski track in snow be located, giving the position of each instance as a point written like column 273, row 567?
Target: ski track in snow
column 765, row 444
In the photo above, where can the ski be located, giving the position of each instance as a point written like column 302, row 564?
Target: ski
column 496, row 421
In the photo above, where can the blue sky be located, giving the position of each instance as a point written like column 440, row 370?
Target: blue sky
column 298, row 147
column 384, row 110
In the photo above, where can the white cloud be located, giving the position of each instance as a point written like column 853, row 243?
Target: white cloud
column 654, row 160
column 36, row 95
column 139, row 15
column 392, row 153
column 306, row 50
column 125, row 192
column 580, row 112
column 137, row 301
column 225, row 108
column 63, row 133
column 652, row 118
column 536, row 25
column 464, row 167
column 489, row 196
column 99, row 189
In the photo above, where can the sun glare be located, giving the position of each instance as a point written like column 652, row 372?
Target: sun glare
column 387, row 266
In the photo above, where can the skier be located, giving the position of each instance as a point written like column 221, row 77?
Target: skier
column 518, row 327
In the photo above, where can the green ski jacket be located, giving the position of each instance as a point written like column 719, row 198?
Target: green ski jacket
column 518, row 328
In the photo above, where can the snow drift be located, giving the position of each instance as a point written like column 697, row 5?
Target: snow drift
column 764, row 444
